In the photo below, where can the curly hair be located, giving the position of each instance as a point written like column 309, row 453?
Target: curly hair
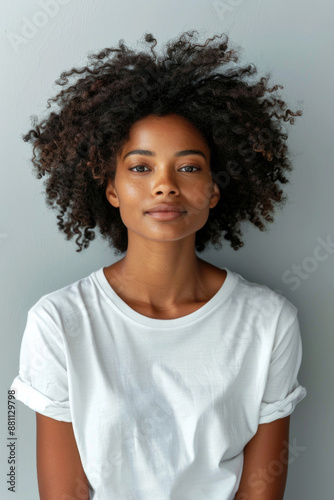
column 76, row 147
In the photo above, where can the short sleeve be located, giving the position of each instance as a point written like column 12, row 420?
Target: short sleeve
column 283, row 391
column 42, row 383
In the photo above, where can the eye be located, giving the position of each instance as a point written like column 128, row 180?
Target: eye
column 190, row 166
column 144, row 166
column 138, row 166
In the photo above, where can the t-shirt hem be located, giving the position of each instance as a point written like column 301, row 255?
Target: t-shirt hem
column 38, row 402
column 281, row 409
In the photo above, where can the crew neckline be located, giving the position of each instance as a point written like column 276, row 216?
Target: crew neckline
column 217, row 299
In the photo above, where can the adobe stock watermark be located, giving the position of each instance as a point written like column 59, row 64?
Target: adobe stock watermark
column 32, row 25
column 234, row 168
column 301, row 272
column 223, row 8
column 3, row 236
column 81, row 491
column 260, row 479
column 149, row 425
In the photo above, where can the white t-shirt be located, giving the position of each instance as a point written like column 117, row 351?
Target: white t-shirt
column 161, row 408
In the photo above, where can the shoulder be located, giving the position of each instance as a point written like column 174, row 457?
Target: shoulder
column 60, row 303
column 59, row 319
column 268, row 305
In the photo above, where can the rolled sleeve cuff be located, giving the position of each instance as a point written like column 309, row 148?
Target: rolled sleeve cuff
column 40, row 403
column 279, row 409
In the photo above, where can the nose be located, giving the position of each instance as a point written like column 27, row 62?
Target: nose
column 164, row 181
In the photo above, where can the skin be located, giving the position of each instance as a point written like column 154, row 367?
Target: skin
column 59, row 467
column 161, row 277
column 266, row 458
column 163, row 252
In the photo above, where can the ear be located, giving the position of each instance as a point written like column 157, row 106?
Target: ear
column 111, row 193
column 215, row 196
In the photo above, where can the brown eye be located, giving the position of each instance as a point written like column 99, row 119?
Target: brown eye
column 191, row 166
column 137, row 166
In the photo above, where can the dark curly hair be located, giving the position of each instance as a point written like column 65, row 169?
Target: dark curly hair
column 76, row 147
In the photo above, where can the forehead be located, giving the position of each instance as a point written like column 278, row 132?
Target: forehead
column 172, row 129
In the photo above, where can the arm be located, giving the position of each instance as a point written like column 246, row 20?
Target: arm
column 59, row 469
column 266, row 462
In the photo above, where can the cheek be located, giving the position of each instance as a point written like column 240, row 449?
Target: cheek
column 132, row 190
column 201, row 197
column 130, row 199
column 196, row 219
column 127, row 196
column 197, row 216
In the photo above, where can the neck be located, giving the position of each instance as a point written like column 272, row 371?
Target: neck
column 161, row 273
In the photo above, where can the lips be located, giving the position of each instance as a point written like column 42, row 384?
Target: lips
column 166, row 208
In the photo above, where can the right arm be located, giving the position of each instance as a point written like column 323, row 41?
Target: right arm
column 59, row 468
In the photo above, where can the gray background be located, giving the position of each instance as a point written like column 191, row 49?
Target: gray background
column 292, row 39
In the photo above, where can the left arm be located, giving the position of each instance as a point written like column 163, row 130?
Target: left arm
column 266, row 462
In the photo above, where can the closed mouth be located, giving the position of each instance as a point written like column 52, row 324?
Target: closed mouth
column 166, row 211
column 166, row 208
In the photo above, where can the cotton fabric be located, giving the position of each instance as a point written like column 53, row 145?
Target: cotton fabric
column 161, row 408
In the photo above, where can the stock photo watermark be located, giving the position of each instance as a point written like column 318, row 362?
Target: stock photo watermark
column 31, row 26
column 226, row 7
column 11, row 444
column 260, row 479
column 81, row 491
column 233, row 169
column 301, row 272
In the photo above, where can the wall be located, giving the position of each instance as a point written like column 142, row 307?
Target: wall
column 292, row 39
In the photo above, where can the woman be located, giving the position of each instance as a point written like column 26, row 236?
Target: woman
column 162, row 376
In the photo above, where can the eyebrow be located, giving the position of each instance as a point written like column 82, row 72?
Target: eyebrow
column 146, row 152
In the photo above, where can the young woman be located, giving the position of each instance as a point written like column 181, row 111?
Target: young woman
column 162, row 376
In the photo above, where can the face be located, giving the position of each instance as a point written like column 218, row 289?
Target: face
column 165, row 160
